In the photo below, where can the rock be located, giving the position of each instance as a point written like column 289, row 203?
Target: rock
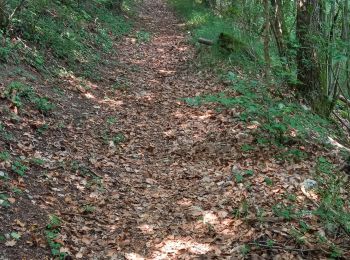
column 309, row 184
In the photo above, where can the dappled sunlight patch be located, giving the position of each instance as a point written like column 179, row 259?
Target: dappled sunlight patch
column 111, row 102
column 146, row 229
column 166, row 73
column 207, row 115
column 89, row 95
column 169, row 133
column 133, row 256
column 210, row 218
column 78, row 84
column 172, row 246
column 179, row 114
column 184, row 202
column 145, row 95
column 336, row 144
column 138, row 62
column 221, row 222
column 164, row 40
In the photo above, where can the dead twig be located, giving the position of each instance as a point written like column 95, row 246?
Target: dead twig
column 205, row 41
column 287, row 248
column 342, row 121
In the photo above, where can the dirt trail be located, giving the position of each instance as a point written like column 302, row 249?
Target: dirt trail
column 171, row 195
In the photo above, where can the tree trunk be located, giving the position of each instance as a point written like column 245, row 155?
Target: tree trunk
column 3, row 16
column 267, row 38
column 118, row 5
column 309, row 71
column 279, row 30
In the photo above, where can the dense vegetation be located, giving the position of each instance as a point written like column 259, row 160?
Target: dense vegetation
column 303, row 44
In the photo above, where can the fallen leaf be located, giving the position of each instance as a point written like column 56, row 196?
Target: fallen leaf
column 11, row 243
column 11, row 200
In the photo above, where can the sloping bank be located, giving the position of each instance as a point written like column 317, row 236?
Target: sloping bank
column 307, row 148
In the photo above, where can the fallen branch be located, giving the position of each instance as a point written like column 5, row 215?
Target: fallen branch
column 287, row 248
column 344, row 99
column 342, row 121
column 265, row 219
column 205, row 41
column 82, row 216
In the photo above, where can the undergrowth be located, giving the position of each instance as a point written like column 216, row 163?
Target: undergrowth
column 70, row 34
column 203, row 23
column 18, row 93
column 52, row 232
column 280, row 123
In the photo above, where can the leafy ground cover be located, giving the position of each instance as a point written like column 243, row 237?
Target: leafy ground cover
column 159, row 159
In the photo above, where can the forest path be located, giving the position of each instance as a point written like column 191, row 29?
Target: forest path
column 167, row 190
column 172, row 195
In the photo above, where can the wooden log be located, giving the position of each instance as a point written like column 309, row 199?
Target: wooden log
column 344, row 99
column 205, row 41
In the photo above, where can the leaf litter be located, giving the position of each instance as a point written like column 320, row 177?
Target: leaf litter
column 132, row 172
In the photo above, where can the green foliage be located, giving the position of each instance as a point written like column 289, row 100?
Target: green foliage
column 284, row 211
column 2, row 238
column 18, row 92
column 292, row 155
column 52, row 232
column 7, row 49
column 118, row 138
column 142, row 36
column 242, row 210
column 111, row 120
column 76, row 32
column 268, row 181
column 5, row 134
column 19, row 168
column 240, row 175
column 3, row 200
column 54, row 222
column 37, row 161
column 109, row 137
column 324, row 166
column 15, row 235
column 297, row 235
column 279, row 120
column 43, row 105
column 244, row 250
column 205, row 23
column 333, row 207
column 88, row 209
column 43, row 128
column 247, row 148
column 5, row 156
